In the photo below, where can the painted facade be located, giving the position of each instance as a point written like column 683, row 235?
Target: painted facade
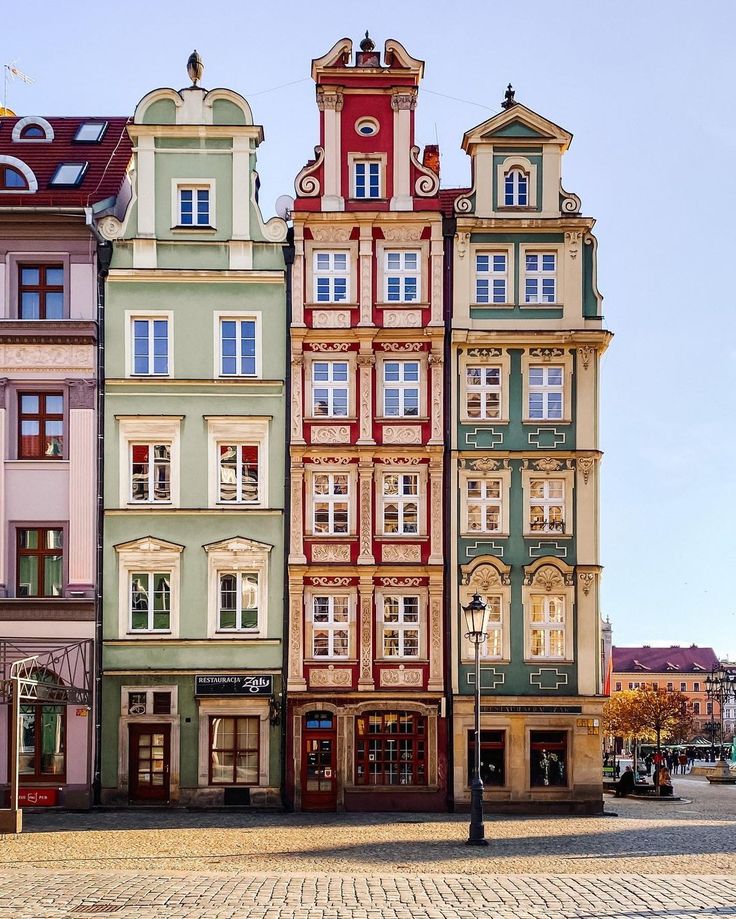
column 366, row 667
column 60, row 179
column 526, row 339
column 194, row 471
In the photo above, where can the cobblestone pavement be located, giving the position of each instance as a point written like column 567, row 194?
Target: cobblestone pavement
column 652, row 857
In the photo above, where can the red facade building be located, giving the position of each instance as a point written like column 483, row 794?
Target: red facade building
column 366, row 671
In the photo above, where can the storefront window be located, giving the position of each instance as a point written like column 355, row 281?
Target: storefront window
column 319, row 721
column 391, row 749
column 491, row 757
column 548, row 758
column 234, row 750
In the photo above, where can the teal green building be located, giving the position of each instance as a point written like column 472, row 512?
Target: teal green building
column 195, row 336
column 526, row 340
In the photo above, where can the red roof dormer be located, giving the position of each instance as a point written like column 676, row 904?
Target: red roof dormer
column 367, row 159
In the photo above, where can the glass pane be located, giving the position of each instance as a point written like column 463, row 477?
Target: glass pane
column 30, row 305
column 30, row 277
column 27, row 576
column 54, row 305
column 52, row 741
column 52, row 576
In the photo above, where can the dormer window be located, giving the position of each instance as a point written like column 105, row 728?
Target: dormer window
column 12, row 179
column 69, row 174
column 367, row 179
column 193, row 204
column 33, row 129
column 90, row 132
column 516, row 188
column 32, row 132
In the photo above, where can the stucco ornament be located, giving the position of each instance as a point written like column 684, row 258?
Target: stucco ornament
column 110, row 228
column 547, row 577
column 330, row 553
column 428, row 183
column 569, row 202
column 306, row 183
column 585, row 465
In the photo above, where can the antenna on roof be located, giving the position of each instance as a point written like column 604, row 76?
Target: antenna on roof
column 10, row 71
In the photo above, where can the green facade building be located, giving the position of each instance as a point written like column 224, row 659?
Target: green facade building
column 195, row 332
column 526, row 339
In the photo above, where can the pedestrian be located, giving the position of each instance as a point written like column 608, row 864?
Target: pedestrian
column 683, row 763
column 626, row 783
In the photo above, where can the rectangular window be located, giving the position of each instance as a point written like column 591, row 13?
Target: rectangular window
column 42, row 748
column 548, row 626
column 330, row 389
column 150, row 601
column 401, row 503
column 238, row 473
column 696, row 708
column 391, row 749
column 368, row 179
column 515, row 188
column 150, row 347
column 683, row 687
column 491, row 277
column 492, row 647
column 696, row 687
column 483, row 502
column 402, row 277
column 401, row 389
column 330, row 633
column 331, row 503
column 39, row 563
column 234, row 750
column 237, row 347
column 237, row 606
column 194, row 207
column 483, row 392
column 547, row 505
column 161, row 703
column 492, row 759
column 548, row 753
column 618, row 687
column 41, row 292
column 331, row 277
column 150, row 473
column 40, row 425
column 401, row 626
column 545, row 392
column 540, row 277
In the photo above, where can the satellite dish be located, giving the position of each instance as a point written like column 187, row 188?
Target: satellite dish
column 284, row 206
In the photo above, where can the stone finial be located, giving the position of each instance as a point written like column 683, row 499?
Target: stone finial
column 508, row 99
column 195, row 67
column 367, row 44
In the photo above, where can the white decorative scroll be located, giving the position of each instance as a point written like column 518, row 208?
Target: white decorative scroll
column 330, row 346
column 570, row 203
column 330, row 677
column 366, row 529
column 394, row 553
column 297, row 428
column 435, row 640
column 297, row 526
column 331, row 234
column 366, row 637
column 110, row 227
column 464, row 203
column 274, row 230
column 428, row 183
column 401, row 677
column 331, row 319
column 402, row 346
column 365, row 369
column 306, row 183
column 328, row 553
column 332, row 434
column 402, row 319
column 37, row 358
column 402, row 434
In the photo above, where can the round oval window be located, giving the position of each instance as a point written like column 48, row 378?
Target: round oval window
column 367, row 127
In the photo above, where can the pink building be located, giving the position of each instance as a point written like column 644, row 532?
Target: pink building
column 62, row 188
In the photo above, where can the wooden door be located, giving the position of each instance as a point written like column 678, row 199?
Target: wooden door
column 150, row 758
column 319, row 775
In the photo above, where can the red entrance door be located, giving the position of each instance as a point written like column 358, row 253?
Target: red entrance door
column 149, row 762
column 319, row 775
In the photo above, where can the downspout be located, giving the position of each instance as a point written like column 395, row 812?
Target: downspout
column 289, row 260
column 449, row 226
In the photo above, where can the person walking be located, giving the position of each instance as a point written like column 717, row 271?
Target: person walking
column 683, row 763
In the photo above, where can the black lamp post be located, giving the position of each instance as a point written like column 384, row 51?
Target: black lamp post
column 719, row 688
column 476, row 621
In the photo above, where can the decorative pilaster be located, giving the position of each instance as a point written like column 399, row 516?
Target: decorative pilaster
column 365, row 517
column 365, row 259
column 435, row 365
column 296, row 549
column 435, row 682
column 82, row 496
column 3, row 454
column 435, row 511
column 402, row 104
column 365, row 390
column 295, row 677
column 365, row 601
column 330, row 104
column 297, row 279
column 436, row 268
column 297, row 401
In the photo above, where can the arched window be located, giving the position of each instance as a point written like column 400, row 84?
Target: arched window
column 516, row 188
column 32, row 131
column 12, row 179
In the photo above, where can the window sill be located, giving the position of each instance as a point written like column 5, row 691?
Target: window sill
column 541, row 306
column 331, row 304
column 331, row 419
column 484, row 421
column 523, row 208
column 330, row 537
column 482, row 534
column 470, row 662
column 550, row 660
column 402, row 304
column 319, row 661
column 384, row 661
column 193, row 228
column 401, row 537
column 546, row 534
column 150, row 504
column 149, row 376
column 237, row 633
column 492, row 306
column 149, row 633
column 392, row 419
column 238, row 376
column 546, row 421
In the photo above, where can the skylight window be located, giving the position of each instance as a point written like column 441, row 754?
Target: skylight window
column 90, row 132
column 68, row 174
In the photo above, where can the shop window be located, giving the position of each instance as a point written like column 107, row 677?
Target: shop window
column 391, row 749
column 319, row 721
column 234, row 750
column 548, row 751
column 42, row 750
column 492, row 747
column 39, row 563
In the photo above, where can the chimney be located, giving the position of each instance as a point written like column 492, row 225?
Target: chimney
column 431, row 158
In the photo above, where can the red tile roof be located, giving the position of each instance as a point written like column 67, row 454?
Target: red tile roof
column 447, row 199
column 661, row 660
column 107, row 161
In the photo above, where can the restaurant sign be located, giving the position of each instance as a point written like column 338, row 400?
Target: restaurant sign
column 260, row 684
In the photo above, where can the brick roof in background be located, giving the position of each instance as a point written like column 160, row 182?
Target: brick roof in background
column 447, row 199
column 107, row 161
column 675, row 659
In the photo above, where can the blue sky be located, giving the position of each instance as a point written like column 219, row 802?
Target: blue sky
column 647, row 90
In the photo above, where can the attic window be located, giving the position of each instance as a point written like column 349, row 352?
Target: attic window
column 90, row 132
column 33, row 129
column 69, row 174
column 12, row 179
column 33, row 132
column 367, row 127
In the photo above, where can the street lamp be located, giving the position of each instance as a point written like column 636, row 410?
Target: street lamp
column 476, row 621
column 719, row 688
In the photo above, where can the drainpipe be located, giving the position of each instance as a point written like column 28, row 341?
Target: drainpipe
column 289, row 260
column 449, row 227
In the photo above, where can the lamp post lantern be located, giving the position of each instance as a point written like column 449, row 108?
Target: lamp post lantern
column 476, row 621
column 719, row 688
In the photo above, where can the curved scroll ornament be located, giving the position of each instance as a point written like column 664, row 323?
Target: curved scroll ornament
column 275, row 230
column 110, row 228
column 591, row 240
column 465, row 204
column 306, row 184
column 570, row 203
column 428, row 183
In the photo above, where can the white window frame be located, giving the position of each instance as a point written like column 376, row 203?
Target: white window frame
column 150, row 430
column 237, row 317
column 150, row 474
column 524, row 165
column 150, row 629
column 546, row 390
column 402, row 386
column 238, row 628
column 151, row 316
column 401, row 626
column 516, row 174
column 369, row 162
column 546, row 626
column 547, row 502
column 148, row 691
column 199, row 184
column 468, row 473
column 549, row 577
column 237, row 555
column 402, row 500
column 330, row 625
column 490, row 276
column 484, row 502
column 402, row 274
column 540, row 275
column 147, row 555
column 331, row 386
column 490, row 578
column 484, row 390
column 331, row 274
column 240, row 430
column 567, row 477
column 331, row 498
